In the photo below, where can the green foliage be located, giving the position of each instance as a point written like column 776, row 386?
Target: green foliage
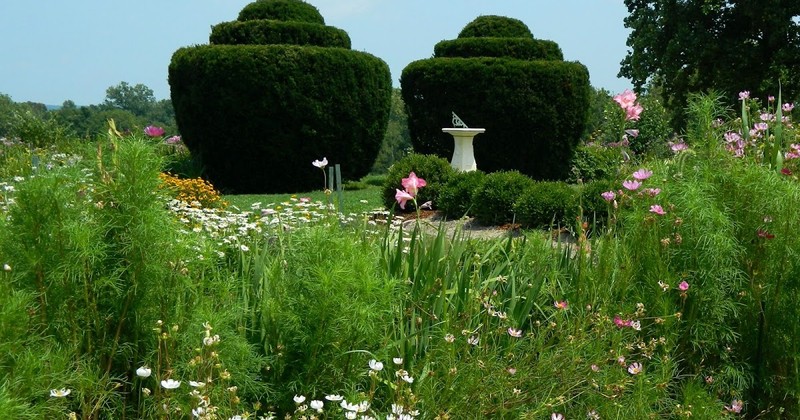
column 37, row 131
column 285, row 10
column 494, row 200
column 534, row 111
column 137, row 99
column 495, row 26
column 519, row 48
column 283, row 106
column 654, row 127
column 456, row 198
column 278, row 32
column 547, row 204
column 396, row 142
column 670, row 49
column 593, row 161
column 436, row 172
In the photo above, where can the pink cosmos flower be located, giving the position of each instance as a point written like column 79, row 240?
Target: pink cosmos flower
column 767, row 117
column 561, row 304
column 173, row 140
column 683, row 286
column 608, row 196
column 635, row 368
column 652, row 192
column 642, row 174
column 764, row 234
column 745, row 94
column 402, row 197
column 771, row 98
column 655, row 208
column 787, row 107
column 631, row 185
column 619, row 322
column 153, row 131
column 514, row 333
column 678, row 147
column 761, row 126
column 595, row 368
column 412, row 184
column 732, row 136
column 786, row 171
column 735, row 407
column 556, row 416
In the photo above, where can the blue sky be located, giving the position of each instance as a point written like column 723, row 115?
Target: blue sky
column 53, row 50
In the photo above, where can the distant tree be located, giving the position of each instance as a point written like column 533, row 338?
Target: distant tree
column 138, row 99
column 7, row 108
column 397, row 141
column 727, row 45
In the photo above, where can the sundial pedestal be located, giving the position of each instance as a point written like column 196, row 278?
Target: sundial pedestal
column 463, row 154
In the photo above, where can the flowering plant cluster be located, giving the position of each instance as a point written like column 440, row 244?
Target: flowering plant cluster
column 767, row 134
column 411, row 186
column 194, row 190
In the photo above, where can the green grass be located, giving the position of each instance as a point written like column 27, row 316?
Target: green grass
column 354, row 201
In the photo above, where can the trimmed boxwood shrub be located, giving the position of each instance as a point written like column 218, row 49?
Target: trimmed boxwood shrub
column 434, row 170
column 494, row 200
column 456, row 197
column 534, row 110
column 547, row 204
column 276, row 32
column 257, row 115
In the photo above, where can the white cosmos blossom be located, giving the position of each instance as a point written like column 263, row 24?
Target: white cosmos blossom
column 334, row 397
column 60, row 393
column 375, row 365
column 143, row 372
column 316, row 405
column 170, row 384
column 299, row 399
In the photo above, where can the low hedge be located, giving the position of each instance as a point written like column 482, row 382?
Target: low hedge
column 547, row 204
column 456, row 198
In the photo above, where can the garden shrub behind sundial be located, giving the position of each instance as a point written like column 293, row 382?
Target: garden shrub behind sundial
column 497, row 76
column 275, row 90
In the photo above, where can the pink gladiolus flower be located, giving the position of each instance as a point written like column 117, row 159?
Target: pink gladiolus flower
column 633, row 113
column 412, row 184
column 632, row 132
column 402, row 197
column 153, row 131
column 683, row 286
column 608, row 196
column 626, row 99
column 655, row 208
column 787, row 107
column 635, row 368
column 642, row 174
column 745, row 94
column 632, row 185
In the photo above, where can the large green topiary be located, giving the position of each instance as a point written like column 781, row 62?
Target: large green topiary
column 497, row 76
column 274, row 91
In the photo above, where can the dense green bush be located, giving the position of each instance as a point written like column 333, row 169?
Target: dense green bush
column 594, row 161
column 547, row 204
column 258, row 115
column 494, row 200
column 434, row 170
column 284, row 10
column 456, row 197
column 533, row 105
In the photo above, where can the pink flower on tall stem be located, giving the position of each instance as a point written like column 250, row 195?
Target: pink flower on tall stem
column 642, row 174
column 633, row 113
column 608, row 196
column 787, row 107
column 745, row 94
column 153, row 131
column 631, row 185
column 412, row 184
column 402, row 197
